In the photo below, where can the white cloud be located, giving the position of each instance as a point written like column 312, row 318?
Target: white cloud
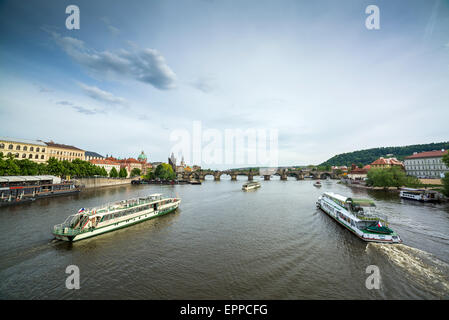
column 147, row 65
column 101, row 95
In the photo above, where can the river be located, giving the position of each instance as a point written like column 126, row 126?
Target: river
column 223, row 243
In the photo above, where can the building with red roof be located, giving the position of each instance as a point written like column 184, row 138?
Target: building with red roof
column 428, row 164
column 386, row 163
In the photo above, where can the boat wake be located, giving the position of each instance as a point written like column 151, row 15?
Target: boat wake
column 419, row 266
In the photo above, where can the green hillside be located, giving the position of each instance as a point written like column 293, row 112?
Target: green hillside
column 369, row 155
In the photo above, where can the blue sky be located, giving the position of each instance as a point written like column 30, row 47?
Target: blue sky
column 137, row 70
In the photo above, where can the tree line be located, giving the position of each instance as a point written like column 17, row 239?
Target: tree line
column 364, row 157
column 9, row 166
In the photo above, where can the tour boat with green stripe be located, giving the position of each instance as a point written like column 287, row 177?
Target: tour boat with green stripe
column 91, row 222
column 359, row 217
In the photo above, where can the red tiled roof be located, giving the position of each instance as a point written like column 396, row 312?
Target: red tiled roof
column 359, row 170
column 63, row 146
column 428, row 154
column 103, row 161
column 387, row 161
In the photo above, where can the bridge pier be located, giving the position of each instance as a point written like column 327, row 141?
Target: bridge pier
column 284, row 177
column 217, row 177
column 267, row 177
column 250, row 177
column 233, row 177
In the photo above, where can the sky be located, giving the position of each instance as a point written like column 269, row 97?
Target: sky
column 137, row 72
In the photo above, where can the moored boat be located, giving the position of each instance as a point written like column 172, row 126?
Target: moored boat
column 419, row 194
column 91, row 222
column 358, row 216
column 317, row 184
column 251, row 185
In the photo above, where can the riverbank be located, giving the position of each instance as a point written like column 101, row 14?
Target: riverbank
column 391, row 189
column 100, row 182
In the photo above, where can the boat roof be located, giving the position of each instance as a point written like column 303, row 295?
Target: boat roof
column 418, row 190
column 25, row 178
column 155, row 195
column 336, row 196
column 364, row 202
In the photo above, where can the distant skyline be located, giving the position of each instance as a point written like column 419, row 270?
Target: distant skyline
column 136, row 71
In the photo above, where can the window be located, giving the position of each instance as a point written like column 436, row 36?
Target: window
column 17, row 147
column 10, row 147
column 30, row 156
column 42, row 156
column 31, row 149
column 16, row 155
column 25, row 148
column 37, row 149
column 24, row 155
column 36, row 157
column 43, row 149
column 2, row 146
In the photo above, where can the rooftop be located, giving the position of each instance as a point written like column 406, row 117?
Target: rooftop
column 27, row 141
column 387, row 161
column 428, row 154
column 93, row 154
column 62, row 146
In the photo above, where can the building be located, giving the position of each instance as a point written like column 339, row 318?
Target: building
column 172, row 162
column 427, row 164
column 64, row 152
column 357, row 173
column 34, row 150
column 106, row 164
column 387, row 163
column 90, row 155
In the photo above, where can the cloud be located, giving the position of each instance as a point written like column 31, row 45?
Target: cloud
column 144, row 65
column 79, row 109
column 100, row 95
column 204, row 84
column 115, row 31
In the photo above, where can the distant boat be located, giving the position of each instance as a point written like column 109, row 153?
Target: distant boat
column 195, row 182
column 317, row 184
column 251, row 185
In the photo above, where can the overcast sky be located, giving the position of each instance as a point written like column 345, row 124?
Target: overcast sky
column 136, row 71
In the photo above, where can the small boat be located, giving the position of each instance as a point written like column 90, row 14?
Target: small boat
column 91, row 222
column 195, row 182
column 251, row 185
column 419, row 194
column 317, row 184
column 359, row 217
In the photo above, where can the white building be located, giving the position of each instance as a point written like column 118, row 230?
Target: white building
column 427, row 164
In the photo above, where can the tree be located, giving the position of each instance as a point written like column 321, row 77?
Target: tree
column 164, row 171
column 113, row 173
column 123, row 173
column 446, row 176
column 391, row 177
column 103, row 172
column 135, row 172
column 149, row 175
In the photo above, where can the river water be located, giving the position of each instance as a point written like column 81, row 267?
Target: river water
column 223, row 243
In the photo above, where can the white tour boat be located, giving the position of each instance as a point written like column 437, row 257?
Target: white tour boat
column 251, row 185
column 419, row 194
column 358, row 216
column 91, row 222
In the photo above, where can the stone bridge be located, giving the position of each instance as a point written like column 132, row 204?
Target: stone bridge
column 251, row 173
